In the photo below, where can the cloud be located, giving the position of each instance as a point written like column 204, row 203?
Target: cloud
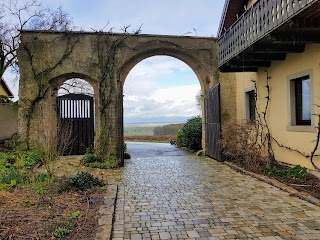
column 158, row 17
column 160, row 87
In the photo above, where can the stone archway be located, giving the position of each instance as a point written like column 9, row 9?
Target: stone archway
column 45, row 58
column 203, row 74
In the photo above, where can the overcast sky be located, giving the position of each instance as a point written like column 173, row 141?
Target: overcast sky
column 158, row 86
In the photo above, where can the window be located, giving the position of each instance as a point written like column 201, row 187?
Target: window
column 302, row 100
column 250, row 105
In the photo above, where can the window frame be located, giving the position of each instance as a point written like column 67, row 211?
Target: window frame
column 298, row 100
column 294, row 124
column 247, row 108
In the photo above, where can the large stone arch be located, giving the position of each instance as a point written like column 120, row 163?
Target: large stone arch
column 105, row 59
column 203, row 74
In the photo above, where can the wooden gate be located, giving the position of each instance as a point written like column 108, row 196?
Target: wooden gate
column 213, row 122
column 76, row 114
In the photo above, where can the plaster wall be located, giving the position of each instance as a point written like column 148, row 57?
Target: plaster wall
column 278, row 116
column 8, row 120
column 3, row 91
column 250, row 3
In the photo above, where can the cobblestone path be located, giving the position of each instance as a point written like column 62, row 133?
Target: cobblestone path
column 167, row 194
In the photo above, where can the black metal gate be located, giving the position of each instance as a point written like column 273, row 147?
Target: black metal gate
column 76, row 114
column 213, row 122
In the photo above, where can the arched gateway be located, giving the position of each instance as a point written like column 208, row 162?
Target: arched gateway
column 47, row 59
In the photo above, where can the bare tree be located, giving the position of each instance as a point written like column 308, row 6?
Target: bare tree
column 17, row 15
column 76, row 86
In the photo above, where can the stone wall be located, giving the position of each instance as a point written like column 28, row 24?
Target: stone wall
column 47, row 59
column 8, row 120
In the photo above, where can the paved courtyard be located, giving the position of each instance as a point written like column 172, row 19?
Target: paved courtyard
column 169, row 194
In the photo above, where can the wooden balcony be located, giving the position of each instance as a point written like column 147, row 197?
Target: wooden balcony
column 268, row 31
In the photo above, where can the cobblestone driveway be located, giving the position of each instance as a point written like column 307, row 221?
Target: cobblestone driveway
column 167, row 194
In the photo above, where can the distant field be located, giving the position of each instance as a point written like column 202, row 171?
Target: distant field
column 140, row 129
column 165, row 139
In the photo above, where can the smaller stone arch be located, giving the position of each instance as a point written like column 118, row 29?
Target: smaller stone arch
column 57, row 81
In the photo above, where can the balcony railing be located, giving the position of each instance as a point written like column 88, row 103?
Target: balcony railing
column 258, row 21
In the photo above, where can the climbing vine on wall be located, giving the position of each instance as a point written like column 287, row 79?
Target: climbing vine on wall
column 253, row 141
column 41, row 73
column 262, row 121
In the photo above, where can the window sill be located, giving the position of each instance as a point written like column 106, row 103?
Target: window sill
column 301, row 128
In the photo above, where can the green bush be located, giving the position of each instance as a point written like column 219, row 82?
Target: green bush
column 179, row 138
column 89, row 157
column 83, row 181
column 295, row 172
column 191, row 134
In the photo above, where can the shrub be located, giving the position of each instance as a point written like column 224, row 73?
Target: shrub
column 179, row 138
column 89, row 157
column 83, row 181
column 245, row 144
column 191, row 134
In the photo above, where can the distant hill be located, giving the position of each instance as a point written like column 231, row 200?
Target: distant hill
column 156, row 120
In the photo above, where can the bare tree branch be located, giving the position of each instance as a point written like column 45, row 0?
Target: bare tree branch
column 18, row 15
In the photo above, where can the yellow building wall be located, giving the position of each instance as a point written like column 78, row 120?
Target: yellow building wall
column 244, row 83
column 3, row 91
column 278, row 114
column 250, row 3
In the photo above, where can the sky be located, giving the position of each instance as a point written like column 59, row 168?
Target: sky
column 157, row 87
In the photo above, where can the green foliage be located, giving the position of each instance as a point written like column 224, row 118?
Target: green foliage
column 75, row 214
column 15, row 167
column 179, row 138
column 94, row 162
column 9, row 144
column 6, row 156
column 83, row 181
column 89, row 157
column 42, row 178
column 41, row 191
column 295, row 172
column 124, row 147
column 61, row 232
column 33, row 157
column 4, row 99
column 191, row 134
column 11, row 175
